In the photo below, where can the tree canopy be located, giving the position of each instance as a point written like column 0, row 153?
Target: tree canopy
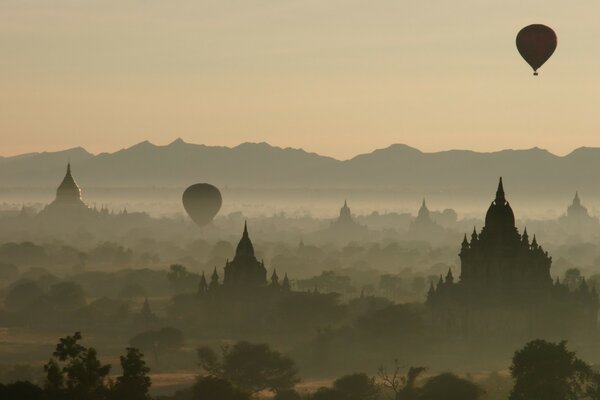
column 251, row 367
column 545, row 370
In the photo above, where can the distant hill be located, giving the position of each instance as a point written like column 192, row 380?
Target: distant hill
column 260, row 165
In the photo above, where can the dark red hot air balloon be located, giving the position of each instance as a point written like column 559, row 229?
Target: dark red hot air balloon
column 202, row 202
column 536, row 43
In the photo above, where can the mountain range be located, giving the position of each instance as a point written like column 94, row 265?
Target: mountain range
column 259, row 165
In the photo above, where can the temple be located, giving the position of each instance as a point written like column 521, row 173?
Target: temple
column 343, row 228
column 245, row 270
column 344, row 220
column 577, row 219
column 423, row 226
column 505, row 287
column 68, row 200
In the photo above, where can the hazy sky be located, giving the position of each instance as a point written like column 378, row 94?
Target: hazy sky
column 338, row 77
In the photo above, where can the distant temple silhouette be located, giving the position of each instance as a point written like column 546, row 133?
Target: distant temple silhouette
column 505, row 286
column 577, row 219
column 423, row 226
column 345, row 220
column 243, row 272
column 68, row 199
column 343, row 228
column 245, row 269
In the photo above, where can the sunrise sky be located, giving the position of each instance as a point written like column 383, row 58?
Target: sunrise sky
column 338, row 77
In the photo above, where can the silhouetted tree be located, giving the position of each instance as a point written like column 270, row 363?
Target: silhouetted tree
column 181, row 280
column 449, row 387
column 134, row 383
column 75, row 371
column 287, row 394
column 214, row 388
column 544, row 370
column 357, row 387
column 22, row 294
column 251, row 367
column 593, row 389
column 325, row 393
column 572, row 278
column 403, row 386
column 21, row 391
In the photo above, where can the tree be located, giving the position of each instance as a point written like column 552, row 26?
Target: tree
column 544, row 370
column 75, row 371
column 251, row 367
column 450, row 387
column 357, row 387
column 21, row 391
column 593, row 389
column 22, row 294
column 66, row 295
column 325, row 393
column 213, row 388
column 181, row 280
column 134, row 383
column 403, row 386
column 572, row 278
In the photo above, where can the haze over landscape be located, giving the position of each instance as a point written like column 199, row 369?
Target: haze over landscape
column 315, row 200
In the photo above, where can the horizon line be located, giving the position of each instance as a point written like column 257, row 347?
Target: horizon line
column 179, row 140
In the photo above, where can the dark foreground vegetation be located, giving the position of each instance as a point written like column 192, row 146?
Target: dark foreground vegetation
column 244, row 371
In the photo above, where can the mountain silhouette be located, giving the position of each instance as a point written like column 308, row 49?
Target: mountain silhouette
column 254, row 165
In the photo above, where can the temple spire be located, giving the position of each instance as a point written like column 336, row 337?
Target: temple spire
column 244, row 247
column 449, row 277
column 274, row 278
column 500, row 199
column 474, row 235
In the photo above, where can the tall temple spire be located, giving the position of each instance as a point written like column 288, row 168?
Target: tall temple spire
column 525, row 237
column 500, row 199
column 245, row 247
column 245, row 269
column 274, row 278
column 68, row 189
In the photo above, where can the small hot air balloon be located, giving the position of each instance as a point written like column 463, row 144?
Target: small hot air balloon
column 202, row 202
column 536, row 43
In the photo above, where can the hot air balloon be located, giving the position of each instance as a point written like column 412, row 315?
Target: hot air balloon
column 202, row 202
column 536, row 43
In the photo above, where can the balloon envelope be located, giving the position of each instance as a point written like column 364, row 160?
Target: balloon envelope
column 202, row 202
column 536, row 43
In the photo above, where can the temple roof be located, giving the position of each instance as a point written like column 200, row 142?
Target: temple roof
column 68, row 189
column 245, row 247
column 423, row 211
column 500, row 215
